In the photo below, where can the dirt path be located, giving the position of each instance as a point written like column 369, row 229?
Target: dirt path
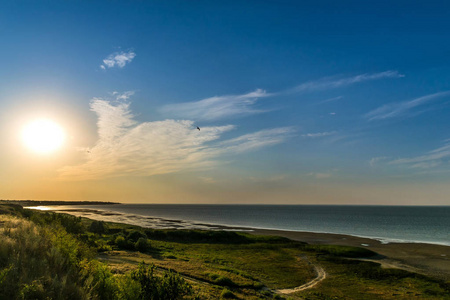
column 321, row 275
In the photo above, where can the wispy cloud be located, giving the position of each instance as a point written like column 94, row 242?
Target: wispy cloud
column 429, row 160
column 128, row 148
column 333, row 82
column 207, row 179
column 252, row 141
column 221, row 107
column 334, row 99
column 218, row 107
column 318, row 134
column 398, row 109
column 122, row 96
column 271, row 179
column 375, row 160
column 118, row 59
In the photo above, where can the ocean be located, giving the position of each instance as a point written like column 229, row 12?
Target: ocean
column 425, row 224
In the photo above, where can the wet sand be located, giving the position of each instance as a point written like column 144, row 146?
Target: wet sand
column 423, row 258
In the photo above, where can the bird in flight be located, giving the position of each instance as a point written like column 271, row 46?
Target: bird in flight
column 198, row 128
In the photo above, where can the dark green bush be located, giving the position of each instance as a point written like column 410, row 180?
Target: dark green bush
column 135, row 235
column 142, row 245
column 97, row 227
column 224, row 281
column 169, row 287
column 11, row 209
column 121, row 242
column 343, row 251
column 227, row 294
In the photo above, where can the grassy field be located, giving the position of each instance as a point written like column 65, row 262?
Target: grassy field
column 105, row 261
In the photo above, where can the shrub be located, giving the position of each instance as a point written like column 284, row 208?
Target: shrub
column 169, row 287
column 135, row 235
column 142, row 245
column 343, row 251
column 98, row 280
column 11, row 209
column 97, row 227
column 120, row 242
column 227, row 294
column 224, row 281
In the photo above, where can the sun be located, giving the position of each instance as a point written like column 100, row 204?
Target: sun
column 43, row 136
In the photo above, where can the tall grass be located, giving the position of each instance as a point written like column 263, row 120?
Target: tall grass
column 40, row 259
column 38, row 263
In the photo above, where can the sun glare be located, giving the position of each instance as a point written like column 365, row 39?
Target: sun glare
column 43, row 136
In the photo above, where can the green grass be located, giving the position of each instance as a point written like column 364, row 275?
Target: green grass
column 217, row 264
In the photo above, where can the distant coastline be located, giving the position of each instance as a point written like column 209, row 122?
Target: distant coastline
column 54, row 203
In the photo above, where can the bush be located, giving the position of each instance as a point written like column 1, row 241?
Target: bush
column 98, row 280
column 120, row 242
column 224, row 281
column 11, row 209
column 142, row 245
column 343, row 251
column 135, row 235
column 227, row 294
column 97, row 227
column 170, row 287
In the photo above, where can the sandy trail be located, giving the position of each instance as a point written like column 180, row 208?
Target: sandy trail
column 321, row 275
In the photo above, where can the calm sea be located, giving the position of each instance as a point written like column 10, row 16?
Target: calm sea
column 386, row 223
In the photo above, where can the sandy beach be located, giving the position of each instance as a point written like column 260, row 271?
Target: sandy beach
column 422, row 258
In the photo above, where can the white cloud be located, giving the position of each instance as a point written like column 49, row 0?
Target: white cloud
column 318, row 134
column 221, row 107
column 401, row 108
column 333, row 82
column 375, row 160
column 431, row 159
column 218, row 107
column 275, row 178
column 118, row 59
column 128, row 148
column 330, row 100
column 207, row 179
column 252, row 141
column 122, row 96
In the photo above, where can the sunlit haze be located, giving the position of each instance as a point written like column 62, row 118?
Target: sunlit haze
column 43, row 136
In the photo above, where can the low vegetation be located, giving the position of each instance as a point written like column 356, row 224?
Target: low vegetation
column 41, row 258
column 46, row 255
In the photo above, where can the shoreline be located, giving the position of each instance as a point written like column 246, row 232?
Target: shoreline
column 426, row 258
column 166, row 223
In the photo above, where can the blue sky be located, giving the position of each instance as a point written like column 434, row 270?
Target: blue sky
column 314, row 102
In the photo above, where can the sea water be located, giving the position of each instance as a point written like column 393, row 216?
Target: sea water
column 429, row 224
